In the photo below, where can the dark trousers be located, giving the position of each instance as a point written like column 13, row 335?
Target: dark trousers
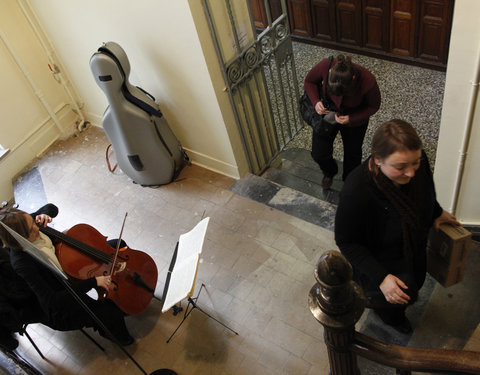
column 322, row 149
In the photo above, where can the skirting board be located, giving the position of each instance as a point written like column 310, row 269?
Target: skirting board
column 196, row 158
column 475, row 230
column 212, row 164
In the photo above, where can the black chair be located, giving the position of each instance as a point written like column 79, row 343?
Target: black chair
column 23, row 332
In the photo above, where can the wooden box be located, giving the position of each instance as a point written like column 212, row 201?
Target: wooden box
column 447, row 252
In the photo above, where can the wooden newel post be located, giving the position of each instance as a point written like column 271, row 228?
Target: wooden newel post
column 337, row 303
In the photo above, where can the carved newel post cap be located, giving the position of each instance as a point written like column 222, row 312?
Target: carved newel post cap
column 335, row 300
column 333, row 269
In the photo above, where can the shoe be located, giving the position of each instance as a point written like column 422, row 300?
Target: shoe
column 8, row 342
column 327, row 182
column 403, row 327
column 49, row 209
column 125, row 339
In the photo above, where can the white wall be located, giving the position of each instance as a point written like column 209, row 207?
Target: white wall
column 161, row 38
column 166, row 59
column 26, row 127
column 463, row 63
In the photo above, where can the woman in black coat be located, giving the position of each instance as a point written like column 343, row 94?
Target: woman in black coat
column 387, row 207
column 63, row 312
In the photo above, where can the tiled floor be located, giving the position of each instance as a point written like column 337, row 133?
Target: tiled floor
column 257, row 267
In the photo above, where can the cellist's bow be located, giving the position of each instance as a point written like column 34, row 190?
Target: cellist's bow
column 118, row 245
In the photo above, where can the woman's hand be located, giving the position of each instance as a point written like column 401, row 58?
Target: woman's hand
column 392, row 288
column 445, row 217
column 104, row 282
column 42, row 220
column 342, row 119
column 320, row 108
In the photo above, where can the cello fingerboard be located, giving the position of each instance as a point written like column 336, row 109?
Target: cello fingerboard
column 77, row 244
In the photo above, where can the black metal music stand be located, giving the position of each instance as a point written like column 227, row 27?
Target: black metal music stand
column 182, row 274
column 192, row 304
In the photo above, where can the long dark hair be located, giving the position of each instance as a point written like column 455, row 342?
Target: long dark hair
column 341, row 77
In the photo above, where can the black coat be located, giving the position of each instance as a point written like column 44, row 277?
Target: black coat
column 18, row 303
column 60, row 307
column 368, row 229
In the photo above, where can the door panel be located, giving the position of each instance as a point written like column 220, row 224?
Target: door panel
column 434, row 30
column 323, row 20
column 299, row 16
column 349, row 23
column 412, row 31
column 402, row 32
column 376, row 24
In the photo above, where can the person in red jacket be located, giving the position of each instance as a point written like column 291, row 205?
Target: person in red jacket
column 352, row 93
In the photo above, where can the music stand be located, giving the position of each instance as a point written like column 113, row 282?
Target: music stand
column 182, row 273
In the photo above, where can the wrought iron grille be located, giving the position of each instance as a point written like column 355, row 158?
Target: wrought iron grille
column 262, row 84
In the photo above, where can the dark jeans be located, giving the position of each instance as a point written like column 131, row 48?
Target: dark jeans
column 322, row 150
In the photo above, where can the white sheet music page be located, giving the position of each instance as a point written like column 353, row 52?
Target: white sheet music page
column 34, row 251
column 184, row 273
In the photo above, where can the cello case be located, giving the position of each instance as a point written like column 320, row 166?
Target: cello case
column 146, row 149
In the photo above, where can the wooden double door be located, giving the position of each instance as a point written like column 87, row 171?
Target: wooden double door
column 411, row 31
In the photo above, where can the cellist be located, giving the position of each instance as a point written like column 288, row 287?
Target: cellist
column 62, row 310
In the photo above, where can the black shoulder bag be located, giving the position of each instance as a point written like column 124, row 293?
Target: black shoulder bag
column 320, row 126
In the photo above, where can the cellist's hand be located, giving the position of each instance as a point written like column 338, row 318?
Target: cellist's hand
column 104, row 282
column 42, row 220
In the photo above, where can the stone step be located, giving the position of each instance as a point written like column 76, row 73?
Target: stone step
column 296, row 169
column 290, row 201
column 452, row 314
column 313, row 188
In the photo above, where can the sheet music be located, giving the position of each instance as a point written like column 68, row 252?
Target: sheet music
column 34, row 251
column 181, row 279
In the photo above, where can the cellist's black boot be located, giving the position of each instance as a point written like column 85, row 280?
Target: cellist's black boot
column 115, row 323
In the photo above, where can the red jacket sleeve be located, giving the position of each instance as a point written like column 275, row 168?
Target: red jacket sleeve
column 314, row 80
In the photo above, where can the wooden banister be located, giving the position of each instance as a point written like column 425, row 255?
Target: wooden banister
column 415, row 359
column 337, row 303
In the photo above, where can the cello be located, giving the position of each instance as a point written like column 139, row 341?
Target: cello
column 83, row 252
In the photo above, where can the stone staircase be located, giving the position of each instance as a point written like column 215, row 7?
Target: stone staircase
column 446, row 318
column 293, row 185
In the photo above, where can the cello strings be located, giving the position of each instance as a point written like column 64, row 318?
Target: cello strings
column 89, row 250
column 118, row 244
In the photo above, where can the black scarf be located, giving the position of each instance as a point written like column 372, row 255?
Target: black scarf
column 405, row 203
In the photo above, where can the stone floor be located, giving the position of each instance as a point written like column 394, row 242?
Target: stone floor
column 257, row 266
column 257, row 261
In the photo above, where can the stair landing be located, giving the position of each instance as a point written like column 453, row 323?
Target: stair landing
column 293, row 185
